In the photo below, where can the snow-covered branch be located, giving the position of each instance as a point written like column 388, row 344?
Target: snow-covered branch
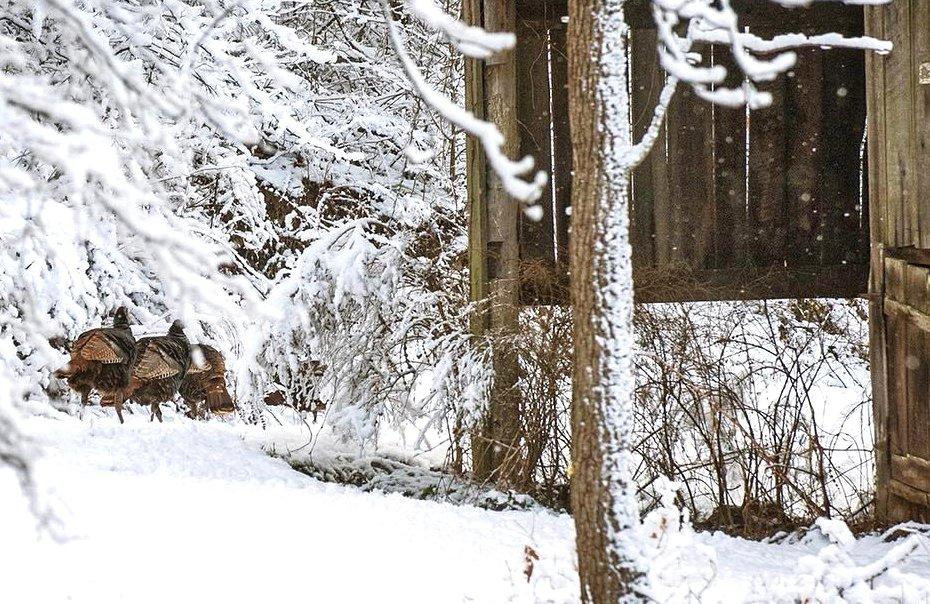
column 793, row 40
column 469, row 40
column 719, row 24
column 513, row 174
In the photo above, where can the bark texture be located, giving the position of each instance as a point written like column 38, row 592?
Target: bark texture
column 603, row 497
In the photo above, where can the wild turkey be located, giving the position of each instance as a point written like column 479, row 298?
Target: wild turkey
column 101, row 359
column 160, row 364
column 207, row 382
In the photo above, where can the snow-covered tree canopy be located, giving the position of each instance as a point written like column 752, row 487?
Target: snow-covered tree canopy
column 264, row 170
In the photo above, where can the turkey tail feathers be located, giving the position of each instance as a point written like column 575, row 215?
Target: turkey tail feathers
column 219, row 401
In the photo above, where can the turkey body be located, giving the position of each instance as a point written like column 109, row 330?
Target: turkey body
column 207, row 382
column 158, row 369
column 101, row 359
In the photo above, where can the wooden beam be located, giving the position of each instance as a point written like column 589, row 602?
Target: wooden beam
column 761, row 17
column 878, row 346
column 681, row 284
column 920, row 119
column 562, row 141
column 476, row 181
column 495, row 252
column 913, row 471
column 909, row 493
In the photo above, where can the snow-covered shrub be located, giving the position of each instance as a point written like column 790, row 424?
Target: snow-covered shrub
column 678, row 567
column 262, row 170
column 381, row 345
column 839, row 573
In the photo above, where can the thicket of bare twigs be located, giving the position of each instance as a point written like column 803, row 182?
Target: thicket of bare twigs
column 759, row 410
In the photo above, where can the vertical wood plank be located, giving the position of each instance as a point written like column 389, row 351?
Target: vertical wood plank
column 902, row 211
column 475, row 178
column 918, row 364
column 768, row 162
column 896, row 338
column 562, row 139
column 500, row 90
column 691, row 181
column 733, row 246
column 537, row 237
column 647, row 80
column 921, row 55
column 915, row 287
column 894, row 279
column 878, row 341
column 843, row 102
column 918, row 393
column 803, row 185
column 502, row 417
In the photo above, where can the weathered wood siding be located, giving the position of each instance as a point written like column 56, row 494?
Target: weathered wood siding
column 729, row 204
column 899, row 166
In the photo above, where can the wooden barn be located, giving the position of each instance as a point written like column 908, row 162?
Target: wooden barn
column 806, row 198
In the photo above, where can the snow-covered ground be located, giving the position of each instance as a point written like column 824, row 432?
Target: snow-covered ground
column 185, row 512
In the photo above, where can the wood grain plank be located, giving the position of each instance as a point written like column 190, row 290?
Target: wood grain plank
column 902, row 211
column 912, row 471
column 907, row 314
column 879, row 374
column 691, row 181
column 476, row 181
column 561, row 134
column 896, row 340
column 733, row 240
column 920, row 31
column 537, row 237
column 918, row 391
column 804, row 143
column 647, row 81
column 915, row 288
column 843, row 233
column 909, row 493
column 875, row 146
column 768, row 162
column 894, row 279
column 874, row 66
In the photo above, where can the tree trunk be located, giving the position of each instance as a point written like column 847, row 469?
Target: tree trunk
column 603, row 494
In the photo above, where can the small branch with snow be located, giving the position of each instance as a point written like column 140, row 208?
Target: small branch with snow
column 512, row 173
column 471, row 41
column 720, row 25
column 793, row 40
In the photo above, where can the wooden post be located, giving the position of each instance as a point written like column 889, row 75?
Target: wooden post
column 494, row 248
column 876, row 156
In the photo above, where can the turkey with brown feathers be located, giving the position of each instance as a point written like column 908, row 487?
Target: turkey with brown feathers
column 159, row 366
column 101, row 359
column 206, row 381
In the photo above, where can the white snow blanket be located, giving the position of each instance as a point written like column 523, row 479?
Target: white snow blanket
column 187, row 511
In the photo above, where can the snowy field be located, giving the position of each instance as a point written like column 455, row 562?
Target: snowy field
column 186, row 511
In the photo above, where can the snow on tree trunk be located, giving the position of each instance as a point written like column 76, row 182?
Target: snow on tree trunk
column 603, row 493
